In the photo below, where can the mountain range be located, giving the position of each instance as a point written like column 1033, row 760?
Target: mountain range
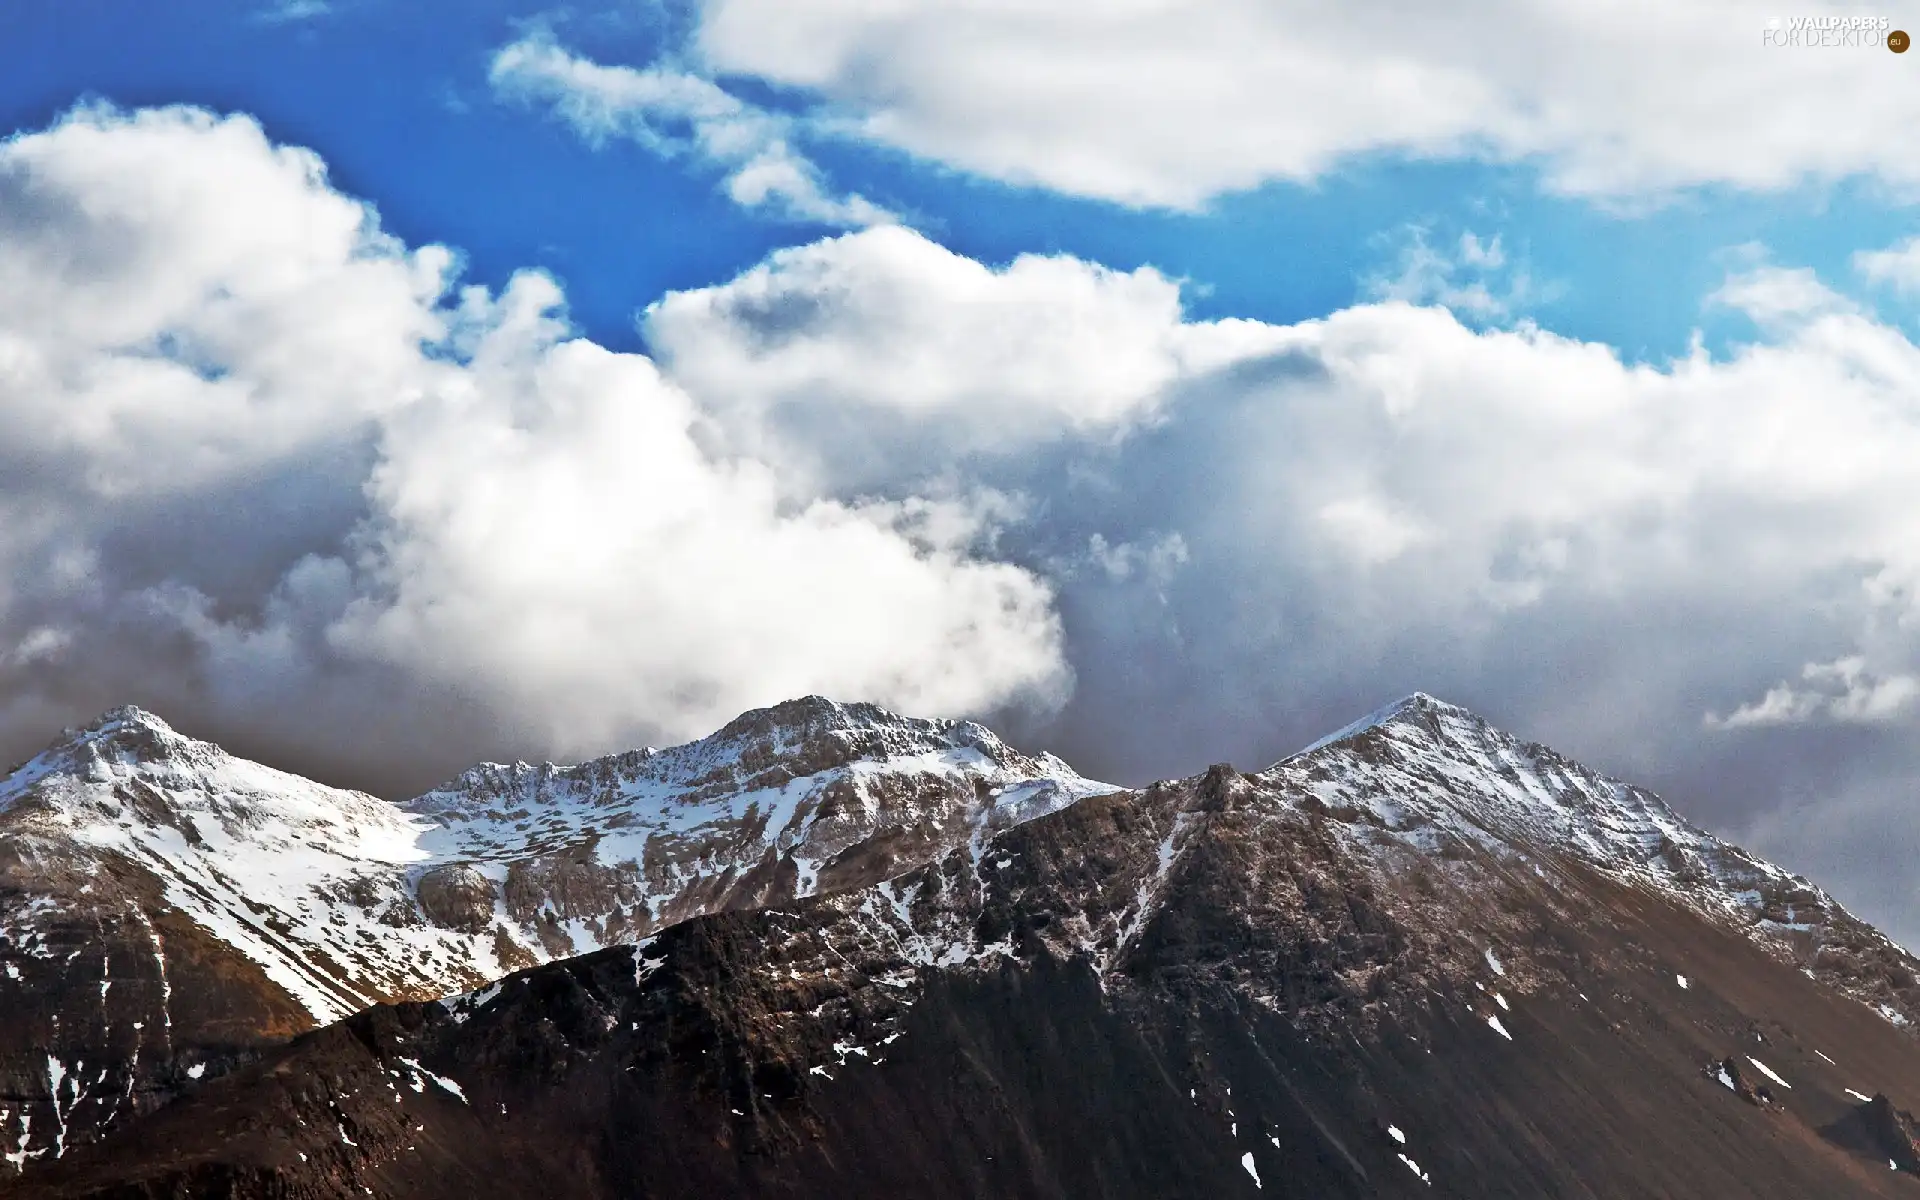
column 831, row 951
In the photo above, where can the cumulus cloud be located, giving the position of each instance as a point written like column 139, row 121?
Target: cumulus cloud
column 1841, row 690
column 1780, row 296
column 671, row 112
column 1251, row 543
column 266, row 465
column 547, row 530
column 879, row 349
column 183, row 304
column 1164, row 103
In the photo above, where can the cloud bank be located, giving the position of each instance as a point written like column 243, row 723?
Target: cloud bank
column 1700, row 573
column 277, row 474
column 1168, row 103
column 265, row 463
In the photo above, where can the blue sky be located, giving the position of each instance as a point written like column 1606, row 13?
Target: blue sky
column 1164, row 384
column 396, row 99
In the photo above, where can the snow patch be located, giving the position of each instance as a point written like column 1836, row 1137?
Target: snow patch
column 440, row 1081
column 1764, row 1069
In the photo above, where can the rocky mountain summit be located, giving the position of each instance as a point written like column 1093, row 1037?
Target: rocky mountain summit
column 1419, row 957
column 166, row 907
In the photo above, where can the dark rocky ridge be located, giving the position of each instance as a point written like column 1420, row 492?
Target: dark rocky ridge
column 1382, row 968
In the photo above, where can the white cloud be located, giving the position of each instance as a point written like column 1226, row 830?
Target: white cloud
column 1773, row 295
column 1161, row 103
column 261, row 463
column 1474, row 279
column 1398, row 484
column 1157, row 561
column 881, row 347
column 1897, row 266
column 1842, row 690
column 1365, row 527
column 671, row 111
column 182, row 303
column 548, row 530
column 282, row 12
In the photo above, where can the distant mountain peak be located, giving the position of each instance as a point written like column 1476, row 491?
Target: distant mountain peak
column 1414, row 704
column 128, row 721
column 810, row 717
column 127, row 735
column 129, row 715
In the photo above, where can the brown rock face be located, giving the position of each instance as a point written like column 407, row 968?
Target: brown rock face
column 455, row 896
column 1892, row 1131
column 110, row 1002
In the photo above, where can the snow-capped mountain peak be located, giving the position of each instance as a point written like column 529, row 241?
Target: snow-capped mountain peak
column 779, row 803
column 134, row 858
column 510, row 865
column 1430, row 777
column 763, row 748
column 123, row 736
column 1422, row 767
column 1411, row 706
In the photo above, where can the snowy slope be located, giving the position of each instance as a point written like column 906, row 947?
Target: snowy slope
column 290, row 873
column 1422, row 819
column 321, row 887
column 1425, row 774
column 781, row 803
column 164, row 904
